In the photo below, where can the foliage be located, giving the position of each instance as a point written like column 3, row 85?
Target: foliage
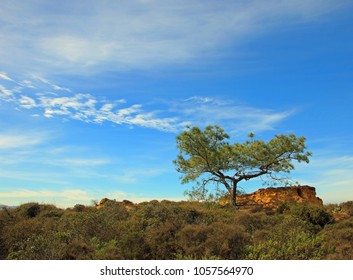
column 207, row 157
column 172, row 230
column 312, row 214
column 339, row 237
column 347, row 207
column 293, row 239
column 218, row 239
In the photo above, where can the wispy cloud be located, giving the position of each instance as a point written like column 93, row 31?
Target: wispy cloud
column 78, row 37
column 331, row 173
column 25, row 193
column 6, row 94
column 238, row 118
column 50, row 100
column 80, row 162
column 20, row 148
column 169, row 116
column 131, row 176
column 13, row 141
column 5, row 77
column 62, row 198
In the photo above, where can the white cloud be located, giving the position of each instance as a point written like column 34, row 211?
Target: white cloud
column 169, row 116
column 25, row 193
column 6, row 94
column 13, row 141
column 5, row 77
column 78, row 37
column 129, row 111
column 63, row 198
column 27, row 102
column 78, row 106
column 107, row 107
column 83, row 107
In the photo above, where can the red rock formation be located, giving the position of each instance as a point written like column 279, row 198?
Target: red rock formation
column 275, row 197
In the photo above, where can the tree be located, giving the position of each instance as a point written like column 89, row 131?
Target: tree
column 208, row 156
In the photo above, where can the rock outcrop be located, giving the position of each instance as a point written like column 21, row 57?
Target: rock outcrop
column 275, row 197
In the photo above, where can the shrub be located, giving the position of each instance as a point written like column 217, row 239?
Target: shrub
column 50, row 245
column 339, row 237
column 131, row 240
column 225, row 241
column 347, row 207
column 293, row 239
column 162, row 241
column 27, row 210
column 78, row 250
column 94, row 222
column 15, row 233
column 312, row 214
column 173, row 230
column 79, row 207
column 105, row 250
column 253, row 222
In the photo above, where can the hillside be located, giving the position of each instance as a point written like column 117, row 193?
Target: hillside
column 176, row 230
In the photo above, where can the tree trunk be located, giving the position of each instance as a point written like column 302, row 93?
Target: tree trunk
column 234, row 194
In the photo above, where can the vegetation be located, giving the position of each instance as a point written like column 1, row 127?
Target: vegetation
column 205, row 155
column 175, row 230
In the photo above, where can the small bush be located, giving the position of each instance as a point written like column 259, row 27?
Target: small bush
column 78, row 250
column 216, row 240
column 347, row 207
column 312, row 214
column 79, row 207
column 339, row 237
column 28, row 210
column 293, row 239
column 162, row 241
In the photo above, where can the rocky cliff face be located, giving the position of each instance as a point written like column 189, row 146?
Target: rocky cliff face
column 274, row 197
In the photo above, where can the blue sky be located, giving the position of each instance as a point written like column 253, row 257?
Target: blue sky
column 93, row 93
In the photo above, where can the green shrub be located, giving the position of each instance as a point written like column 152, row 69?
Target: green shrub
column 162, row 241
column 297, row 246
column 339, row 237
column 312, row 214
column 293, row 239
column 27, row 210
column 174, row 230
column 79, row 207
column 225, row 241
column 131, row 240
column 105, row 250
column 253, row 222
column 92, row 222
column 78, row 250
column 50, row 245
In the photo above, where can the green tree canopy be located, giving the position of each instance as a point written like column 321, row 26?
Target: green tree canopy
column 206, row 156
